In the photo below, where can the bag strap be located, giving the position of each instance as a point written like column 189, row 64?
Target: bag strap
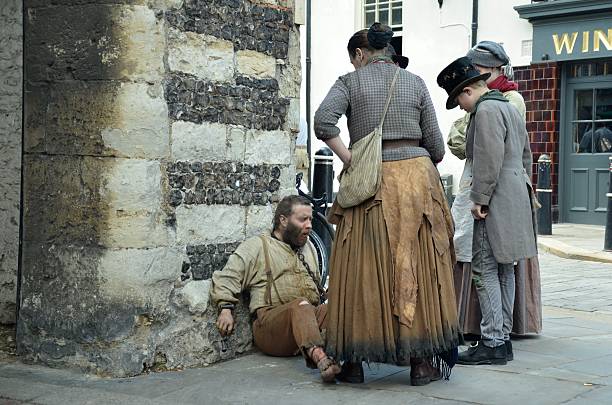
column 268, row 270
column 384, row 114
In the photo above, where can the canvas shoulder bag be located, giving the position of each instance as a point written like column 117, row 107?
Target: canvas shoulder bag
column 361, row 180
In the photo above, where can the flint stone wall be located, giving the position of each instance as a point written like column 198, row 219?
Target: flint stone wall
column 159, row 134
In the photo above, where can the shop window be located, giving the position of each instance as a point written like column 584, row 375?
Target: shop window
column 592, row 123
column 384, row 11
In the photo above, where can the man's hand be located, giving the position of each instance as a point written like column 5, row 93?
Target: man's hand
column 225, row 322
column 480, row 211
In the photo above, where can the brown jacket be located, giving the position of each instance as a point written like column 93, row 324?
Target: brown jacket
column 245, row 272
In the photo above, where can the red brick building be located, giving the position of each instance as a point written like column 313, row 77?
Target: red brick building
column 568, row 95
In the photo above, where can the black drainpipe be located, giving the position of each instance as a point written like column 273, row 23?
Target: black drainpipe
column 308, row 35
column 474, row 22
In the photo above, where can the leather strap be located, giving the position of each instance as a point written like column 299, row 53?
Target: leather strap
column 268, row 270
column 399, row 143
column 384, row 114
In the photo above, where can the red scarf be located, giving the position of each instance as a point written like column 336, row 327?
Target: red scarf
column 502, row 84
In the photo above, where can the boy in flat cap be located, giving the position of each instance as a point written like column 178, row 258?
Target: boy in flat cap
column 504, row 229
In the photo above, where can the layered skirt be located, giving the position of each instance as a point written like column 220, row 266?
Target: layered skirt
column 391, row 293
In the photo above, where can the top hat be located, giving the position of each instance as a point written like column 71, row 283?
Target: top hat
column 456, row 76
column 402, row 61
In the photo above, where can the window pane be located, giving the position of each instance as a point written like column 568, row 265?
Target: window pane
column 369, row 18
column 370, row 8
column 396, row 4
column 603, row 104
column 370, row 1
column 602, row 138
column 383, row 16
column 584, row 104
column 383, row 6
column 582, row 138
column 396, row 17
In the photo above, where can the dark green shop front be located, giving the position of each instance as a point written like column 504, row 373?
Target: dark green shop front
column 578, row 36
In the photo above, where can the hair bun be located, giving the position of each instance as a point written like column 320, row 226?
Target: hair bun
column 379, row 35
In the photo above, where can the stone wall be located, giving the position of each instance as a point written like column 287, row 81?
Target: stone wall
column 11, row 50
column 159, row 134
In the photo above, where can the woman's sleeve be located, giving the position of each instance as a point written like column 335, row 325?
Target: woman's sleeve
column 432, row 137
column 331, row 109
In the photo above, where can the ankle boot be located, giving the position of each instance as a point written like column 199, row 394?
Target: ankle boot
column 351, row 373
column 422, row 372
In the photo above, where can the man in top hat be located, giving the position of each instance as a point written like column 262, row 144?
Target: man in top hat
column 498, row 145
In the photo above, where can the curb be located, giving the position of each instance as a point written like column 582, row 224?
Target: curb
column 561, row 249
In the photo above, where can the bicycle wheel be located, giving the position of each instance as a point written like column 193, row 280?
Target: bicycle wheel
column 322, row 237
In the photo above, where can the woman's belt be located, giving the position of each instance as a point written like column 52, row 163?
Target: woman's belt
column 399, row 143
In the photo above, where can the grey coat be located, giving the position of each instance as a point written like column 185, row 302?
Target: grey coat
column 498, row 144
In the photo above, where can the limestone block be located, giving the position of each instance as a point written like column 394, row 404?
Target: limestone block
column 146, row 276
column 272, row 147
column 62, row 199
column 101, row 118
column 236, row 138
column 194, row 295
column 292, row 124
column 165, row 4
column 65, row 300
column 202, row 224
column 289, row 76
column 11, row 51
column 203, row 142
column 193, row 341
column 143, row 44
column 256, row 64
column 10, row 179
column 287, row 180
column 93, row 42
column 141, row 125
column 259, row 219
column 132, row 192
column 201, row 55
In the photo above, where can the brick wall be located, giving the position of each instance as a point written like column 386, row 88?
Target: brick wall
column 540, row 85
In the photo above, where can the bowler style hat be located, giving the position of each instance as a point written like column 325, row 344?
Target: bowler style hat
column 402, row 61
column 456, row 76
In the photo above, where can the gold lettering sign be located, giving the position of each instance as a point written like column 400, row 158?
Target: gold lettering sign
column 565, row 42
column 600, row 37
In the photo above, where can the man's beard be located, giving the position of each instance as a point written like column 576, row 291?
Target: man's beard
column 291, row 236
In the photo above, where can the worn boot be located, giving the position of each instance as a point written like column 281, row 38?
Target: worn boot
column 422, row 372
column 351, row 373
column 509, row 353
column 482, row 354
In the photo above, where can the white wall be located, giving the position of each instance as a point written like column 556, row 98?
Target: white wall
column 432, row 38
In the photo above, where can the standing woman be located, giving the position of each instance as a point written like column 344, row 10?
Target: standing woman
column 391, row 294
column 489, row 57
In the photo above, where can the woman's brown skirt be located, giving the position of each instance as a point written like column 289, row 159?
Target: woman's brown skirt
column 527, row 298
column 391, row 294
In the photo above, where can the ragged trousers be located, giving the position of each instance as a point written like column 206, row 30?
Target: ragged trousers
column 287, row 329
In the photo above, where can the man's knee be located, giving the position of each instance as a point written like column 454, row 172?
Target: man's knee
column 301, row 305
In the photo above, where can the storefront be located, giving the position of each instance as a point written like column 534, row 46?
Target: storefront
column 568, row 92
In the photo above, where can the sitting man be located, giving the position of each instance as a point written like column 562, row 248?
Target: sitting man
column 279, row 271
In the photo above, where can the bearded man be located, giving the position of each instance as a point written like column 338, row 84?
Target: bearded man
column 278, row 270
